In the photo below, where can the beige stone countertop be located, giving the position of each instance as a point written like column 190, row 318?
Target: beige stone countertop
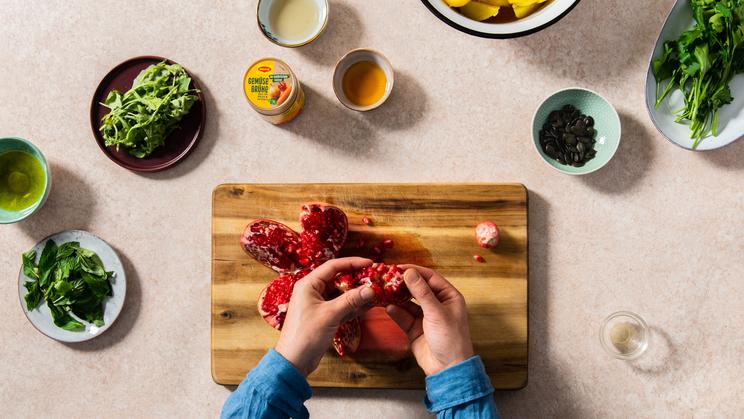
column 658, row 231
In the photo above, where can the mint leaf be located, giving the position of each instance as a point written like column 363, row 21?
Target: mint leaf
column 33, row 296
column 29, row 269
column 71, row 279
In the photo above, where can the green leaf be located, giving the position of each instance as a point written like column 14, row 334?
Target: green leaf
column 702, row 63
column 33, row 296
column 141, row 119
column 73, row 279
column 29, row 268
column 48, row 256
column 67, row 249
column 100, row 287
column 64, row 320
column 92, row 264
column 65, row 267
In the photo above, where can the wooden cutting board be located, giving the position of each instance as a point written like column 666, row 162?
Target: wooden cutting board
column 431, row 225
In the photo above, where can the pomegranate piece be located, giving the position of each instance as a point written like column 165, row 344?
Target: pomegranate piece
column 479, row 258
column 386, row 281
column 487, row 234
column 347, row 338
column 366, row 220
column 273, row 244
column 324, row 233
column 273, row 301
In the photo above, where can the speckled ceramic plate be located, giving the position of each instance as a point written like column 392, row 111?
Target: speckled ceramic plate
column 179, row 143
column 41, row 318
column 730, row 117
column 551, row 12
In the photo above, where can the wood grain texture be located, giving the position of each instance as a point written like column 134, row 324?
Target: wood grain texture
column 431, row 224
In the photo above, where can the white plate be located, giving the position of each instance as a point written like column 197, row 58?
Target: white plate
column 550, row 13
column 41, row 318
column 730, row 117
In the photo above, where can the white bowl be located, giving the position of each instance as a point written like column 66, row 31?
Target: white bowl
column 264, row 23
column 353, row 57
column 550, row 13
column 41, row 318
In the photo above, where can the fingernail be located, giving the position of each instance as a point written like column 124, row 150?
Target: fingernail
column 367, row 294
column 411, row 275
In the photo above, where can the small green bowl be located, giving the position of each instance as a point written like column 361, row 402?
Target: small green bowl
column 19, row 144
column 606, row 123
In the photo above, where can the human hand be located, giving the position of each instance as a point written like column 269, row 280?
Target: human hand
column 312, row 321
column 437, row 328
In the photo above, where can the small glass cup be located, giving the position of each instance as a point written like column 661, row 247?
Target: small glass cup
column 624, row 335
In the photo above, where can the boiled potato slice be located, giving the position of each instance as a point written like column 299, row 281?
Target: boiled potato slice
column 525, row 3
column 456, row 3
column 522, row 11
column 479, row 11
column 500, row 3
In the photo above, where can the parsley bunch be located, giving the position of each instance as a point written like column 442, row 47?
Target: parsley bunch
column 702, row 62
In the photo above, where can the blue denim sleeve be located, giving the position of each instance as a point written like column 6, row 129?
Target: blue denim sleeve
column 274, row 389
column 462, row 391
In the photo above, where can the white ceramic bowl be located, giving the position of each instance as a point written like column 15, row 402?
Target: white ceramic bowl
column 263, row 15
column 353, row 57
column 41, row 318
column 550, row 13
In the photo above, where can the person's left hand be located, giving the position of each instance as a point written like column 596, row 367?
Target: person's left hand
column 312, row 321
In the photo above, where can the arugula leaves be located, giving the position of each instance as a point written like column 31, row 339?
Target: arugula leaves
column 702, row 62
column 71, row 279
column 142, row 118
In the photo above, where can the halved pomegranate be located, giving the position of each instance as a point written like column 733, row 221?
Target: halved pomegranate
column 273, row 244
column 324, row 230
column 385, row 280
column 348, row 336
column 273, row 301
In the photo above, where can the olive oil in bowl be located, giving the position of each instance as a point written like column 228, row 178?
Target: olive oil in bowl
column 22, row 180
column 364, row 83
column 363, row 79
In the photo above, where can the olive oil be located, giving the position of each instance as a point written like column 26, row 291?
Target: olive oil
column 364, row 83
column 625, row 337
column 22, row 180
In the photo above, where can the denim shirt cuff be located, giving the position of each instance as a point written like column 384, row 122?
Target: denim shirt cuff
column 281, row 380
column 458, row 384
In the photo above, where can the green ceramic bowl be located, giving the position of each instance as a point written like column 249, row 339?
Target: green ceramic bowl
column 606, row 123
column 19, row 144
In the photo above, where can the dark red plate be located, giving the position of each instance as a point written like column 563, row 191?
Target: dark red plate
column 179, row 143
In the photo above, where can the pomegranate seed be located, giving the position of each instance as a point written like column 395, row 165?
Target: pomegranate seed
column 380, row 267
column 388, row 243
column 366, row 220
column 393, row 268
column 479, row 258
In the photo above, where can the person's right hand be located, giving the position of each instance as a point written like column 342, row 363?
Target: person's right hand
column 437, row 328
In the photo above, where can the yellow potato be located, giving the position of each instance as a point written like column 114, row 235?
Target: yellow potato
column 525, row 3
column 479, row 11
column 522, row 11
column 500, row 3
column 456, row 3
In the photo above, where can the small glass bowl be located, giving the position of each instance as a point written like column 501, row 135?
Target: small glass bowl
column 624, row 335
